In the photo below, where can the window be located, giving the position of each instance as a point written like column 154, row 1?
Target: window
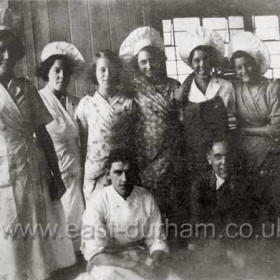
column 174, row 29
column 266, row 27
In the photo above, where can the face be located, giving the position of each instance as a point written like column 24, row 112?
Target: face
column 148, row 65
column 121, row 177
column 59, row 76
column 201, row 64
column 219, row 159
column 7, row 62
column 106, row 72
column 245, row 69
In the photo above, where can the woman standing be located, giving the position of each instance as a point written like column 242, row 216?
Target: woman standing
column 32, row 238
column 157, row 128
column 257, row 110
column 58, row 61
column 207, row 101
column 105, row 120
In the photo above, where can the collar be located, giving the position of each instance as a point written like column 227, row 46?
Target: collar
column 116, row 199
column 219, row 181
column 197, row 96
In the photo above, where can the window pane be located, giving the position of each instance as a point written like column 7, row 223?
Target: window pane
column 179, row 37
column 275, row 61
column 183, row 68
column 173, row 77
column 182, row 24
column 276, row 73
column 236, row 22
column 170, row 53
column 182, row 78
column 226, row 50
column 167, row 37
column 273, row 47
column 266, row 21
column 166, row 24
column 268, row 74
column 268, row 33
column 215, row 23
column 171, row 68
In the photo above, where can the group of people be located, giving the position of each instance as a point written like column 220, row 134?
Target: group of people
column 132, row 152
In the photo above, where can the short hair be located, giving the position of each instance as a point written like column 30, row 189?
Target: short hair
column 112, row 57
column 212, row 53
column 239, row 54
column 154, row 51
column 44, row 67
column 123, row 155
column 217, row 139
column 14, row 44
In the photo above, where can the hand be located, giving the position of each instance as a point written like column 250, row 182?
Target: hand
column 146, row 271
column 232, row 122
column 157, row 257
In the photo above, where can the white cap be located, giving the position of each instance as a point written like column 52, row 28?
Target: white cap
column 138, row 39
column 63, row 48
column 254, row 46
column 200, row 36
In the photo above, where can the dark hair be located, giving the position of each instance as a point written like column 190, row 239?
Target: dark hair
column 112, row 57
column 44, row 67
column 13, row 43
column 212, row 53
column 157, row 53
column 239, row 54
column 217, row 139
column 121, row 154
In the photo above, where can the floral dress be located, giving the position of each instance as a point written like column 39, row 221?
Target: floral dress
column 157, row 138
column 109, row 125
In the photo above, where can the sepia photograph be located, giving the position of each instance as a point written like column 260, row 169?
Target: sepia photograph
column 139, row 139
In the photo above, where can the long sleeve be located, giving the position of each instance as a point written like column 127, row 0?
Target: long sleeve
column 94, row 233
column 154, row 235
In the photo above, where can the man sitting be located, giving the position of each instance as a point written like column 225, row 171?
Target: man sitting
column 220, row 196
column 122, row 229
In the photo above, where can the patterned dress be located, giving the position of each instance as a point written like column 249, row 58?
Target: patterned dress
column 24, row 195
column 157, row 138
column 109, row 125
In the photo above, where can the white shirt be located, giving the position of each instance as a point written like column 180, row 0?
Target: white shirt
column 109, row 220
column 216, row 86
column 219, row 181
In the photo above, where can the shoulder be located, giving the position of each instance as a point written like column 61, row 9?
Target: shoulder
column 24, row 83
column 202, row 181
column 273, row 86
column 142, row 191
column 223, row 82
column 174, row 83
column 98, row 199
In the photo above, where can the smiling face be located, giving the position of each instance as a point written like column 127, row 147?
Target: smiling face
column 59, row 76
column 106, row 72
column 149, row 64
column 121, row 176
column 218, row 157
column 246, row 69
column 201, row 64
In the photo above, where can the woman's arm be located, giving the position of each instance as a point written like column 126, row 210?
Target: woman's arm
column 58, row 188
column 270, row 130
